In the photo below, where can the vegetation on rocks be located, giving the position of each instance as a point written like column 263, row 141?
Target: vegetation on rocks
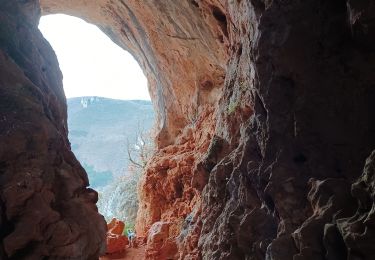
column 112, row 140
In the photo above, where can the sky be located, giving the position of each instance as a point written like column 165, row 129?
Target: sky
column 92, row 65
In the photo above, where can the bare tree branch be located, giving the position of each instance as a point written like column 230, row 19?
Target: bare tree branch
column 141, row 150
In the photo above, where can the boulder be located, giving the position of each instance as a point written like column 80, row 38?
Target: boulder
column 116, row 242
column 160, row 245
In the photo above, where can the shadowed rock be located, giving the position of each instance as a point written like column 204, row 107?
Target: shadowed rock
column 286, row 86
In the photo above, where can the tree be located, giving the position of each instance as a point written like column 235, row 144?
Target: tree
column 120, row 198
column 140, row 151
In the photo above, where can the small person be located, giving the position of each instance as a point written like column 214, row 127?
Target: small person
column 131, row 237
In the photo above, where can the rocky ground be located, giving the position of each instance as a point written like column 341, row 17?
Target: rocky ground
column 129, row 254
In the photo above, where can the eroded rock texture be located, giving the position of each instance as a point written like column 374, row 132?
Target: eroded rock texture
column 307, row 69
column 170, row 191
column 116, row 241
column 45, row 208
column 265, row 119
column 183, row 58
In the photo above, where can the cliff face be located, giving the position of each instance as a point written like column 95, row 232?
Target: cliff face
column 170, row 191
column 265, row 112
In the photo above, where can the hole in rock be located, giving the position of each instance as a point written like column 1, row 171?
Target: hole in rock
column 300, row 158
column 110, row 114
column 195, row 3
column 269, row 202
column 221, row 18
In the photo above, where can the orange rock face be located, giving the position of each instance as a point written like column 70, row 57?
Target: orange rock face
column 262, row 165
column 160, row 243
column 167, row 192
column 116, row 227
column 116, row 242
column 184, row 59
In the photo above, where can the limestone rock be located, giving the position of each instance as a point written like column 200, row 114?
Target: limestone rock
column 179, row 47
column 166, row 191
column 46, row 209
column 116, row 227
column 288, row 88
column 116, row 241
column 160, row 244
column 357, row 230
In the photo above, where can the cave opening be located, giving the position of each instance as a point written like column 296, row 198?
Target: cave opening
column 110, row 115
column 265, row 138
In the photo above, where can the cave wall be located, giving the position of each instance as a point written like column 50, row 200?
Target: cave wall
column 307, row 66
column 45, row 208
column 265, row 118
column 183, row 58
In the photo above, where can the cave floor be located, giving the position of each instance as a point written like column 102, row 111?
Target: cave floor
column 129, row 254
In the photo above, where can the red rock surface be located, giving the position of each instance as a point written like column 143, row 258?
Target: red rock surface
column 167, row 191
column 116, row 241
column 161, row 243
column 183, row 58
column 131, row 253
column 116, row 227
column 265, row 120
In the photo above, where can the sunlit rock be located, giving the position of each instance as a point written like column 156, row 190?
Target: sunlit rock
column 116, row 241
column 265, row 118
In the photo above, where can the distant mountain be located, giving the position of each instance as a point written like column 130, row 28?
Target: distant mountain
column 99, row 129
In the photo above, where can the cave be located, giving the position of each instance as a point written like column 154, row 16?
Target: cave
column 265, row 119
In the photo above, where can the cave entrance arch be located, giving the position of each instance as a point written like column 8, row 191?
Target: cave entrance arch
column 184, row 61
column 108, row 110
column 182, row 52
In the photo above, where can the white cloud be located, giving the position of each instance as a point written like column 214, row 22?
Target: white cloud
column 91, row 63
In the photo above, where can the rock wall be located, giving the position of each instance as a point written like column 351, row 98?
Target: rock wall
column 183, row 58
column 284, row 191
column 45, row 208
column 265, row 164
column 170, row 190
